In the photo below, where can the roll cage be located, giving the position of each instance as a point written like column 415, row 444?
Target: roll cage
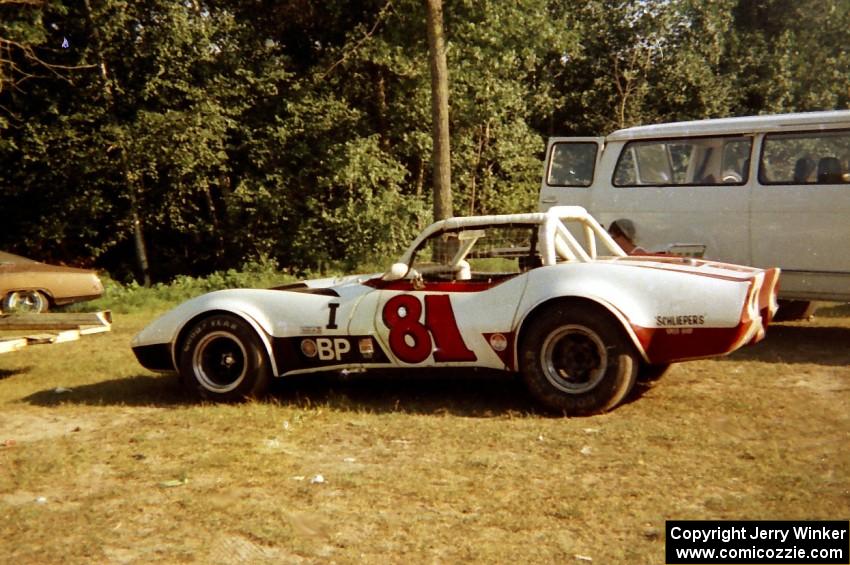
column 563, row 234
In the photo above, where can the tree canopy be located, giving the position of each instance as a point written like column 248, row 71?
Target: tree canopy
column 212, row 132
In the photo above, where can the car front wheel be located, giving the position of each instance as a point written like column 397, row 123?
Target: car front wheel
column 576, row 360
column 25, row 302
column 223, row 359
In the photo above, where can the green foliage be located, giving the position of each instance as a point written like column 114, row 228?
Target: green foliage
column 361, row 212
column 497, row 56
column 792, row 55
column 301, row 131
column 644, row 62
column 126, row 298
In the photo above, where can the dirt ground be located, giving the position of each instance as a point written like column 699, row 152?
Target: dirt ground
column 102, row 461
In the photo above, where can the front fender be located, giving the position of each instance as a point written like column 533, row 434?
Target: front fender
column 269, row 312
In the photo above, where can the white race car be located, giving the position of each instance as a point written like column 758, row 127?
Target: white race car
column 525, row 292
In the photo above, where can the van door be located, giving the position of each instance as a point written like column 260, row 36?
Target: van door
column 800, row 210
column 680, row 193
column 570, row 169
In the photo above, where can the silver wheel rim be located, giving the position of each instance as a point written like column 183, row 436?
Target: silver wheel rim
column 220, row 362
column 25, row 302
column 574, row 359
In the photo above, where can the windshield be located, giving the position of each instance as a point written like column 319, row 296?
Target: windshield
column 478, row 252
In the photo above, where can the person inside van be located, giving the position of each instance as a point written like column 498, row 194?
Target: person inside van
column 829, row 171
column 804, row 170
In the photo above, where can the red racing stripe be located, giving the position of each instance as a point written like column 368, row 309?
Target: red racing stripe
column 666, row 345
column 447, row 286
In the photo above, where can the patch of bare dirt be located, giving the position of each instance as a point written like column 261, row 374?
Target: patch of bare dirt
column 26, row 425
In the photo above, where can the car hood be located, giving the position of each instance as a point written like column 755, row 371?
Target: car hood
column 327, row 286
column 264, row 308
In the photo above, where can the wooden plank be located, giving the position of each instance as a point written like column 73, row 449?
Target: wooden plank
column 88, row 330
column 66, row 335
column 64, row 327
column 9, row 345
column 38, row 339
column 14, row 344
column 50, row 321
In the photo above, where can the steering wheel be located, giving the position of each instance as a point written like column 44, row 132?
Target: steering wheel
column 731, row 176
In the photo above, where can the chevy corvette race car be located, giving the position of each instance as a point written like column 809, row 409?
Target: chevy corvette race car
column 527, row 292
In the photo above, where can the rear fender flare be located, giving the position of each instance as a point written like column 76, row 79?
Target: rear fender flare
column 596, row 302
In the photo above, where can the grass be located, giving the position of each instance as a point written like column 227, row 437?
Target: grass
column 447, row 467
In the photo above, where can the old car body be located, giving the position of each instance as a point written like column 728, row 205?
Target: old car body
column 28, row 286
column 525, row 292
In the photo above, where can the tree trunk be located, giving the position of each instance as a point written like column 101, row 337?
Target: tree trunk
column 138, row 230
column 135, row 218
column 439, row 111
column 381, row 109
column 482, row 144
column 141, row 251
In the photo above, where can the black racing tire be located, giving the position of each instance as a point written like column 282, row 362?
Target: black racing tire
column 25, row 302
column 577, row 360
column 648, row 373
column 222, row 359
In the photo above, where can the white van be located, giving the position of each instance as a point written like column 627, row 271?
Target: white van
column 763, row 190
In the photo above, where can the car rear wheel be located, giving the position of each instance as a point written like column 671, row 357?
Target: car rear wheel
column 25, row 302
column 576, row 360
column 223, row 359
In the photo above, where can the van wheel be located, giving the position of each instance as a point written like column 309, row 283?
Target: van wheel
column 790, row 310
column 577, row 360
column 223, row 359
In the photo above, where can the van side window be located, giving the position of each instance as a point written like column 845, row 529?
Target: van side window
column 645, row 164
column 805, row 158
column 735, row 167
column 699, row 161
column 572, row 164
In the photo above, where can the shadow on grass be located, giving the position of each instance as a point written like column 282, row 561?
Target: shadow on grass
column 468, row 393
column 799, row 344
column 473, row 393
column 6, row 373
column 141, row 390
column 833, row 311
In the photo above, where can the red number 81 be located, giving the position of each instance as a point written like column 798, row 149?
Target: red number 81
column 410, row 339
